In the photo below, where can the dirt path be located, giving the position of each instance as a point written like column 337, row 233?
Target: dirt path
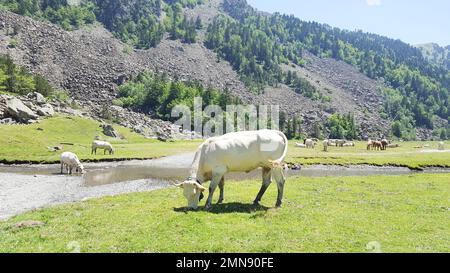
column 20, row 193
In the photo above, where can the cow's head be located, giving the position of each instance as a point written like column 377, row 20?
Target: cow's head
column 192, row 192
column 80, row 169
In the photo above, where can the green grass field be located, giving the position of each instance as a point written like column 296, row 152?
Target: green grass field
column 20, row 143
column 28, row 144
column 401, row 214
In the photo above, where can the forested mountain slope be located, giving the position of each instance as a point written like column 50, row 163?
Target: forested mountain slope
column 316, row 73
column 419, row 90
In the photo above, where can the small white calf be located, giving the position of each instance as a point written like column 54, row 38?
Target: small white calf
column 102, row 145
column 310, row 144
column 70, row 161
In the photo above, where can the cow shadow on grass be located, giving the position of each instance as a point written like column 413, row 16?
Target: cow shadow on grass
column 227, row 208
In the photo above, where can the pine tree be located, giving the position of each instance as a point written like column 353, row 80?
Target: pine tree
column 11, row 82
column 42, row 86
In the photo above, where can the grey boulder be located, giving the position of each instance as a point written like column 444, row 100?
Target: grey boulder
column 46, row 110
column 17, row 110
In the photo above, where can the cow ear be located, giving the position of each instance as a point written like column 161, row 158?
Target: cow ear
column 180, row 185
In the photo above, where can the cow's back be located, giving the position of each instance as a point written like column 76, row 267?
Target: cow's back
column 242, row 151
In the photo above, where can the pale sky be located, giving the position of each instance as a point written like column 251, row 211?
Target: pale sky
column 413, row 21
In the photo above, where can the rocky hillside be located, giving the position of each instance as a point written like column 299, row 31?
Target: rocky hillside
column 91, row 63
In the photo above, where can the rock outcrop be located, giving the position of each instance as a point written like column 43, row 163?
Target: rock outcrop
column 108, row 130
column 29, row 109
column 16, row 109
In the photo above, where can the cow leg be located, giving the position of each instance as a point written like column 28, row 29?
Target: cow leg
column 221, row 187
column 62, row 167
column 278, row 174
column 267, row 180
column 215, row 181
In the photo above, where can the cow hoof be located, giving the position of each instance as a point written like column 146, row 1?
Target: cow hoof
column 220, row 202
column 208, row 207
column 256, row 203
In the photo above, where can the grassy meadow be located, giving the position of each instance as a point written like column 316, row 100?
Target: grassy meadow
column 413, row 154
column 409, row 213
column 352, row 214
column 28, row 143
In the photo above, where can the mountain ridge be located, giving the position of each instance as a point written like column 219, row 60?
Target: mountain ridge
column 91, row 64
column 435, row 53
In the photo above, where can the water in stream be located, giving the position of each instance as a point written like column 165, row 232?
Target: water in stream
column 176, row 168
column 129, row 173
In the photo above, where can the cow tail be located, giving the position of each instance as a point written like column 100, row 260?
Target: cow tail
column 279, row 162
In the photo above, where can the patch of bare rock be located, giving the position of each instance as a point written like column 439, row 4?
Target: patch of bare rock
column 27, row 109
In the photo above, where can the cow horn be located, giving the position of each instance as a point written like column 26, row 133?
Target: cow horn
column 200, row 187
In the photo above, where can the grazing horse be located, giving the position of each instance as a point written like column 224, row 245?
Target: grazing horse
column 384, row 144
column 369, row 145
column 377, row 145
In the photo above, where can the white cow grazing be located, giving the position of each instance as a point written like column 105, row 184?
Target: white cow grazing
column 70, row 161
column 102, row 145
column 441, row 146
column 332, row 142
column 310, row 144
column 300, row 145
column 237, row 152
column 326, row 143
column 340, row 142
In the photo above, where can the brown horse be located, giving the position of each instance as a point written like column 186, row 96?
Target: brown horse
column 384, row 144
column 377, row 145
